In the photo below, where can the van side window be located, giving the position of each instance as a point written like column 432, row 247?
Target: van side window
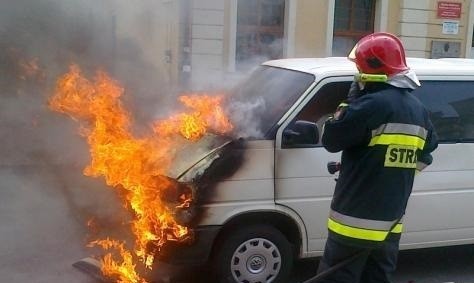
column 451, row 105
column 298, row 133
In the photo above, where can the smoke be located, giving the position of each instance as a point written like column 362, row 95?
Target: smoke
column 43, row 192
column 39, row 39
column 44, row 197
column 245, row 116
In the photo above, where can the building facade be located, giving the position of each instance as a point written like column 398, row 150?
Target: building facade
column 205, row 40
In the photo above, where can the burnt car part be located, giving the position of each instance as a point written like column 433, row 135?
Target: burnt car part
column 196, row 253
column 91, row 267
column 202, row 177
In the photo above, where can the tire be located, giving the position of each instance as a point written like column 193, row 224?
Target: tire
column 254, row 254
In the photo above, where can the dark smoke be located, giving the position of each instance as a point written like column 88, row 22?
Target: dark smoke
column 45, row 201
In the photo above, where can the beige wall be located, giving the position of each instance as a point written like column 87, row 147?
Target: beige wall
column 415, row 21
column 153, row 27
column 393, row 22
column 311, row 28
column 207, row 35
column 420, row 26
column 435, row 28
column 307, row 33
column 227, row 31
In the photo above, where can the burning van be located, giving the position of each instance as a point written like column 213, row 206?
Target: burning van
column 262, row 200
column 244, row 185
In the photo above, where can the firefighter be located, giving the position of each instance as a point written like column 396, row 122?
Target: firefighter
column 385, row 135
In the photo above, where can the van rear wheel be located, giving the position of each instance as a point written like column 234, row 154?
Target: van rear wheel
column 257, row 254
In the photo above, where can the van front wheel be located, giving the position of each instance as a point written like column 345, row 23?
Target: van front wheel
column 257, row 254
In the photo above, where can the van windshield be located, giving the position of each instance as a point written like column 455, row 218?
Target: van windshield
column 260, row 101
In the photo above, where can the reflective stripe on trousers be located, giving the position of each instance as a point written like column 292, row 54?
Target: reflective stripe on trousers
column 364, row 229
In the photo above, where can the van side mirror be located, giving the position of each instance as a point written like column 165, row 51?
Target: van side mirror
column 300, row 134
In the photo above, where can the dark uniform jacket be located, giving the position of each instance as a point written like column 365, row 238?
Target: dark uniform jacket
column 385, row 136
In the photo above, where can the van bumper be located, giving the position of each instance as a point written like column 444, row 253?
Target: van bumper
column 197, row 253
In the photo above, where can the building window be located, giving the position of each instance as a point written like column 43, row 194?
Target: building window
column 260, row 25
column 353, row 19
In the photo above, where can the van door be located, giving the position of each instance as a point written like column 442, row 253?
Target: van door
column 302, row 181
column 440, row 208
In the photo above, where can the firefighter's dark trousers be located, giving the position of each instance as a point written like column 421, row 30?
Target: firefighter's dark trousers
column 376, row 265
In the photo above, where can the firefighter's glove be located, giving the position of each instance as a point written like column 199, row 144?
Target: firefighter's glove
column 340, row 111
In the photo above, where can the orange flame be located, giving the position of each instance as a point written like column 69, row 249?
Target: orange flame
column 136, row 167
column 208, row 115
column 124, row 271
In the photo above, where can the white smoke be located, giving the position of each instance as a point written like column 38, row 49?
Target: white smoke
column 245, row 116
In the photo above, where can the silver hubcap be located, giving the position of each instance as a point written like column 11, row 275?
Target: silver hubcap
column 256, row 261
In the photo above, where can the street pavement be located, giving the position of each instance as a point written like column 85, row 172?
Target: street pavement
column 434, row 265
column 40, row 235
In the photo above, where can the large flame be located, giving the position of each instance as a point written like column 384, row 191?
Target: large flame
column 136, row 167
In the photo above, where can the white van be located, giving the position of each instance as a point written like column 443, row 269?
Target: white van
column 264, row 200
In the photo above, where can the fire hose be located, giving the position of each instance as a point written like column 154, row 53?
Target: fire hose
column 318, row 277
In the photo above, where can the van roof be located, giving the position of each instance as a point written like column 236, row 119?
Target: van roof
column 342, row 66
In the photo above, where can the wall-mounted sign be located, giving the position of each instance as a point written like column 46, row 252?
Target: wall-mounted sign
column 449, row 10
column 450, row 27
column 445, row 49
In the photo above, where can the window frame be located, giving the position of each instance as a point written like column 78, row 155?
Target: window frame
column 258, row 30
column 352, row 33
column 338, row 91
column 303, row 101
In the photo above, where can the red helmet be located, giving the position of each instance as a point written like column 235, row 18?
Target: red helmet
column 379, row 53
